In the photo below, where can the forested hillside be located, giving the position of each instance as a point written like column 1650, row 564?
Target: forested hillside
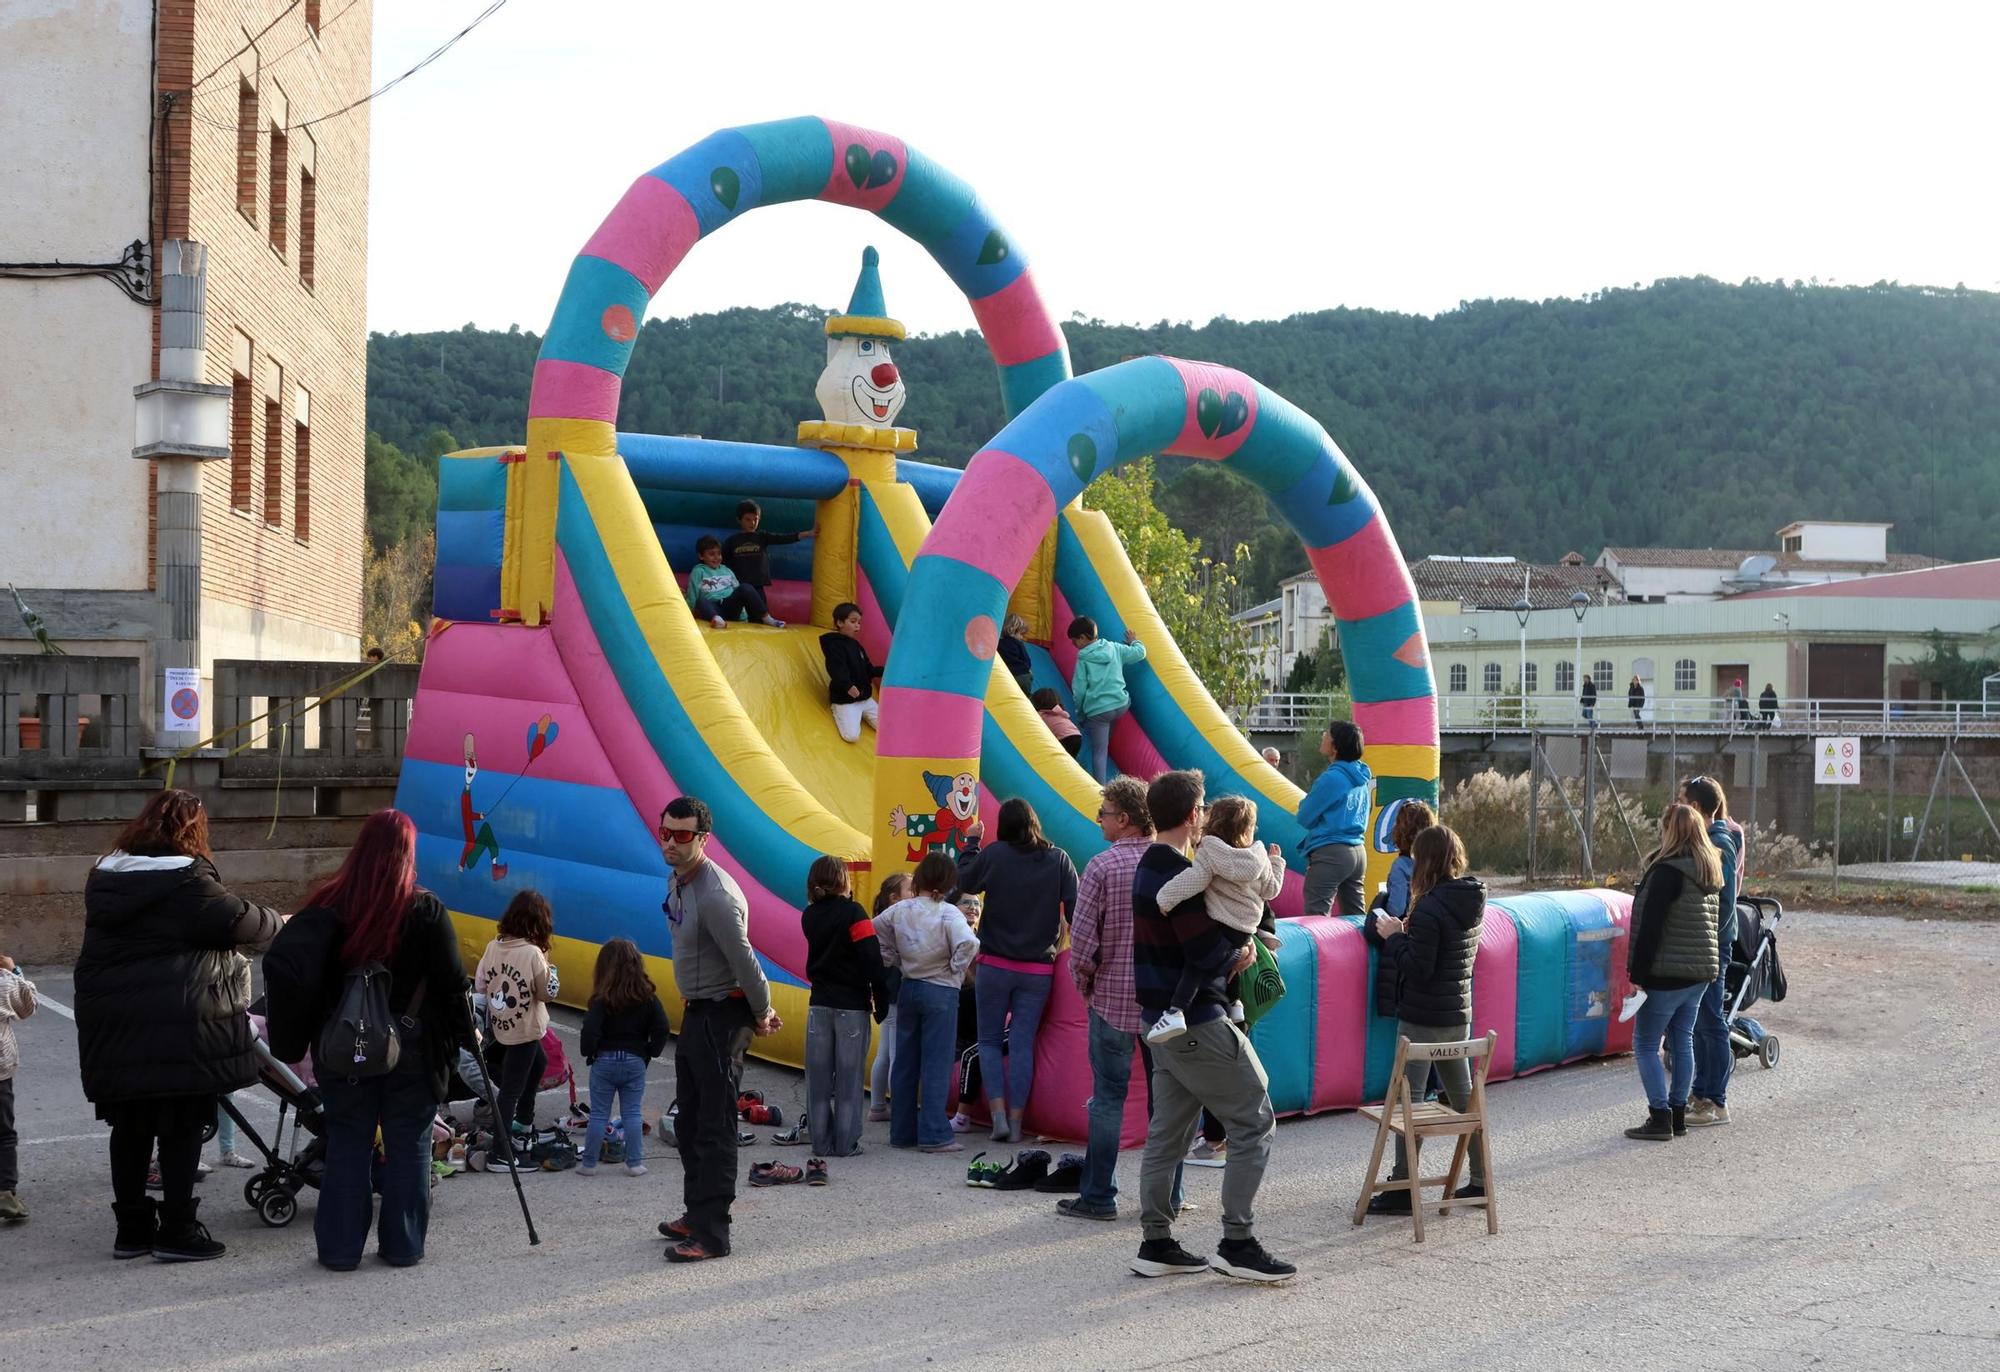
column 1688, row 413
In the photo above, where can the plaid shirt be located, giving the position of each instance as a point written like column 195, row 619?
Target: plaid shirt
column 1100, row 934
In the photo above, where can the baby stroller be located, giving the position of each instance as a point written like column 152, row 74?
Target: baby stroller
column 273, row 1193
column 1754, row 974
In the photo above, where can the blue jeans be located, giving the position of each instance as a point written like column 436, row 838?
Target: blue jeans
column 836, row 1059
column 622, row 1077
column 1110, row 1079
column 1097, row 731
column 920, row 1077
column 1666, row 1015
column 1714, row 1062
column 1022, row 996
column 403, row 1103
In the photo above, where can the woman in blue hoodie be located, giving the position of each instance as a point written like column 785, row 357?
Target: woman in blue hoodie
column 1334, row 816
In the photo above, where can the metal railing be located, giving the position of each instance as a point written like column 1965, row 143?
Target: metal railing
column 1469, row 712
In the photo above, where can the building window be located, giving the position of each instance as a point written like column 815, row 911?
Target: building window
column 1565, row 677
column 280, row 184
column 302, row 466
column 1684, row 674
column 1794, row 543
column 1601, row 672
column 312, row 16
column 1458, row 677
column 274, row 462
column 1531, row 678
column 241, row 436
column 1489, row 678
column 308, row 212
column 246, row 150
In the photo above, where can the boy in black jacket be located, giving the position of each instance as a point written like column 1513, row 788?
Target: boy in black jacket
column 746, row 552
column 850, row 676
column 849, row 987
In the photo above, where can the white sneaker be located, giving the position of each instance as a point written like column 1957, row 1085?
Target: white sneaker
column 635, row 1169
column 1206, row 1154
column 235, row 1160
column 1236, row 1012
column 583, row 1171
column 1171, row 1025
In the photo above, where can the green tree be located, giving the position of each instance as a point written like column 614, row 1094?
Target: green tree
column 1191, row 592
column 400, row 491
column 1956, row 676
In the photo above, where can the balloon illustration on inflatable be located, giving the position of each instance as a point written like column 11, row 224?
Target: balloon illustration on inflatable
column 559, row 581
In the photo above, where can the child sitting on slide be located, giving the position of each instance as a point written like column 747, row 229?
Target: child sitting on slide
column 850, row 676
column 1239, row 879
column 1049, row 706
column 715, row 593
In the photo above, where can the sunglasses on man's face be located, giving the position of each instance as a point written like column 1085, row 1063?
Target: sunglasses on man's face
column 673, row 835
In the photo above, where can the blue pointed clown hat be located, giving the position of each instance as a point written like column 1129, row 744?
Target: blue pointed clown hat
column 867, row 316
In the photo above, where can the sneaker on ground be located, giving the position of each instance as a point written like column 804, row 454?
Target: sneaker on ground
column 983, row 1171
column 1166, row 1258
column 815, row 1171
column 1246, row 1260
column 188, row 1242
column 1075, row 1209
column 1065, row 1178
column 233, row 1159
column 1206, row 1154
column 744, row 1138
column 693, row 1250
column 1390, row 1203
column 1703, row 1113
column 961, row 1123
column 583, row 1171
column 495, row 1163
column 1029, row 1166
column 153, row 1182
column 798, row 1136
column 878, row 1113
column 775, row 1174
column 1472, row 1190
column 11, row 1209
column 676, row 1229
column 635, row 1169
column 1171, row 1025
column 953, row 1147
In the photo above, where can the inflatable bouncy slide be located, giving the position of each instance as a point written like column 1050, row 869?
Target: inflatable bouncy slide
column 568, row 693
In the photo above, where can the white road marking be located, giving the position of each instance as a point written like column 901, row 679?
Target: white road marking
column 42, row 1002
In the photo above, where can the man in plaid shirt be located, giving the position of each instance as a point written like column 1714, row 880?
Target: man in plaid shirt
column 1100, row 961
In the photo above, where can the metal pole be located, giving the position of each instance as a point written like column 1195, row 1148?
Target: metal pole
column 1534, row 797
column 1577, row 683
column 1589, row 810
column 1889, row 812
column 1756, row 756
column 1836, row 840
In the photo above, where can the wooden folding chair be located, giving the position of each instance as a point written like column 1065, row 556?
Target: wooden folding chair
column 1416, row 1121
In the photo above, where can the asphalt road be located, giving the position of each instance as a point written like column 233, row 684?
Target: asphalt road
column 1844, row 1220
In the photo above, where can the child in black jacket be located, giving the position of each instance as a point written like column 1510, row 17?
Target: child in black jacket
column 850, row 676
column 849, row 985
column 624, row 1029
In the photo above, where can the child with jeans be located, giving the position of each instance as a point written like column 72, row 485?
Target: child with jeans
column 716, row 594
column 17, row 1001
column 926, row 939
column 893, row 889
column 623, row 1030
column 844, row 967
column 1098, row 685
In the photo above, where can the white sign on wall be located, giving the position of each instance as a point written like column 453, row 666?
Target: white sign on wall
column 180, row 700
column 1837, row 761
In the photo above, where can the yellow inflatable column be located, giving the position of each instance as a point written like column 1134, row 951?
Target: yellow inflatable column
column 869, row 455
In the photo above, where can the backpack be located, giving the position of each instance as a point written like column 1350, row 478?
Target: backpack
column 361, row 1038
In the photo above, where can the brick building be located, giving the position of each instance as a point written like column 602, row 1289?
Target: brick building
column 144, row 121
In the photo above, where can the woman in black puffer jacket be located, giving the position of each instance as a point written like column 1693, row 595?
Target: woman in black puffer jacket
column 1433, row 949
column 160, row 1028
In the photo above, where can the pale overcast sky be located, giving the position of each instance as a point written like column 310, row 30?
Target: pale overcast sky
column 1179, row 161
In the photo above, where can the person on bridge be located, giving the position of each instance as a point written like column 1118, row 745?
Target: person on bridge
column 1589, row 700
column 1767, row 704
column 1635, row 698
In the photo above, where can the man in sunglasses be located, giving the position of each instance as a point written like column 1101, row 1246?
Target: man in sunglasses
column 728, row 1002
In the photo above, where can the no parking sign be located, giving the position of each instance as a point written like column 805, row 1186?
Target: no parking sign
column 180, row 700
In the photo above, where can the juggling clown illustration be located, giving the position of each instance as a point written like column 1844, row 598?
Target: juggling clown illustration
column 944, row 830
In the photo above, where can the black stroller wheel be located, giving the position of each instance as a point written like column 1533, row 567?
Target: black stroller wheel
column 277, row 1207
column 254, row 1189
column 1767, row 1052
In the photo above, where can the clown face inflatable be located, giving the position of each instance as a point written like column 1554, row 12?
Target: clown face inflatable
column 860, row 384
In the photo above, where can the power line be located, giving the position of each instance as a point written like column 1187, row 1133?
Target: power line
column 248, row 43
column 381, row 90
column 197, row 87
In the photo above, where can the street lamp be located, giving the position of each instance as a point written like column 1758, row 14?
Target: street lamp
column 1579, row 601
column 1521, row 611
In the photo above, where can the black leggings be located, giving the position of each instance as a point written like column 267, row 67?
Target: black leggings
column 521, row 1066
column 132, row 1138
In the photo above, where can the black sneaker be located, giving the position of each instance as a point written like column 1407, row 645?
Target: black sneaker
column 183, row 1238
column 1390, row 1203
column 1246, row 1260
column 1075, row 1209
column 1030, row 1165
column 1066, row 1178
column 1166, row 1258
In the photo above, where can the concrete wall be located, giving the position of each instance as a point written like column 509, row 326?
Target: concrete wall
column 73, row 144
